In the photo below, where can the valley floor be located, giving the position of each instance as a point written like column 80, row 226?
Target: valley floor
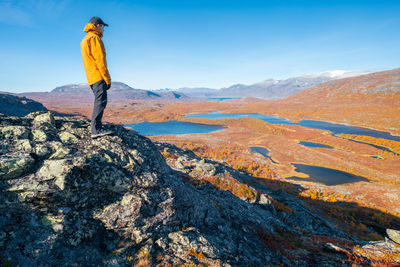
column 378, row 190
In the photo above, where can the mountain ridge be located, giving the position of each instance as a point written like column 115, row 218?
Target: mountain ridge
column 82, row 93
column 271, row 89
column 14, row 105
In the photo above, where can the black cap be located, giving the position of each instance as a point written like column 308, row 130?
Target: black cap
column 97, row 20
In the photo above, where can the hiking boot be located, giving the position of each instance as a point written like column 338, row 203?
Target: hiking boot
column 101, row 133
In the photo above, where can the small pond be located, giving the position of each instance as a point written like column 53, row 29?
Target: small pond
column 173, row 127
column 262, row 151
column 375, row 157
column 223, row 98
column 326, row 176
column 311, row 144
column 376, row 146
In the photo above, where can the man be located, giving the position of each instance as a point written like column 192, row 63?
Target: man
column 95, row 63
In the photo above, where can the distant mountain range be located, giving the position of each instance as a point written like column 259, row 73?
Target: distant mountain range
column 269, row 89
column 82, row 93
column 371, row 100
column 384, row 84
column 13, row 105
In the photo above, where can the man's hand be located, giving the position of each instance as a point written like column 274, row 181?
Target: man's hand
column 108, row 86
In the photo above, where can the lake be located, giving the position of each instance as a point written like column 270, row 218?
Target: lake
column 173, row 127
column 219, row 115
column 311, row 144
column 335, row 128
column 326, row 176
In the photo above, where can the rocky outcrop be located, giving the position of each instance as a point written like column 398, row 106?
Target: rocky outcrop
column 394, row 235
column 13, row 105
column 69, row 200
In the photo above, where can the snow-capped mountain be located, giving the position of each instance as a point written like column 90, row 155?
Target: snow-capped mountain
column 271, row 88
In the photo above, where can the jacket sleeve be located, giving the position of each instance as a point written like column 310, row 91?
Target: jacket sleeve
column 99, row 55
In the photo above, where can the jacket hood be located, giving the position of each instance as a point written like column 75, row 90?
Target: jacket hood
column 91, row 28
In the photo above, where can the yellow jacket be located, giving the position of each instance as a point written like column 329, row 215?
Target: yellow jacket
column 94, row 56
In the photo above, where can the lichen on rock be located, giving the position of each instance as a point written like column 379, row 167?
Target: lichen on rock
column 55, row 169
column 67, row 137
column 14, row 131
column 39, row 135
column 15, row 164
column 69, row 200
column 44, row 118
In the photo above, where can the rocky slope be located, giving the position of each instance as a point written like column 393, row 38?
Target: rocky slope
column 13, row 105
column 68, row 200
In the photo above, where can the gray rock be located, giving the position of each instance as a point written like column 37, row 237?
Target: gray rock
column 39, row 135
column 60, row 153
column 15, row 164
column 55, row 169
column 12, row 131
column 67, row 137
column 115, row 201
column 264, row 200
column 45, row 118
column 394, row 235
column 23, row 145
column 207, row 168
column 42, row 150
column 179, row 165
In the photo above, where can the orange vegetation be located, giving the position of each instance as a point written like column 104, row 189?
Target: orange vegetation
column 371, row 100
column 389, row 144
column 353, row 216
column 227, row 182
column 232, row 156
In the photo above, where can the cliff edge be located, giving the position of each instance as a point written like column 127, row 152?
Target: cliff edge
column 68, row 200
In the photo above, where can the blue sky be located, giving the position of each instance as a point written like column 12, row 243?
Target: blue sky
column 155, row 44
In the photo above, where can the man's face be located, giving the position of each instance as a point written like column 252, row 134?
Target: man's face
column 100, row 27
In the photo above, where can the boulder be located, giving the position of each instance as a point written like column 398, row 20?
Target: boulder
column 394, row 235
column 45, row 118
column 39, row 135
column 207, row 168
column 114, row 201
column 67, row 137
column 15, row 164
column 55, row 169
column 16, row 132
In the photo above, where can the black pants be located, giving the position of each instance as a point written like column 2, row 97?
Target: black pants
column 100, row 102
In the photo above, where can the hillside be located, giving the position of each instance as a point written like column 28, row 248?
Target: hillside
column 371, row 100
column 68, row 200
column 78, row 94
column 378, row 84
column 13, row 105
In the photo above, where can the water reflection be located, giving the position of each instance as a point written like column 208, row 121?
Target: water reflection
column 335, row 128
column 262, row 151
column 173, row 127
column 311, row 144
column 326, row 176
